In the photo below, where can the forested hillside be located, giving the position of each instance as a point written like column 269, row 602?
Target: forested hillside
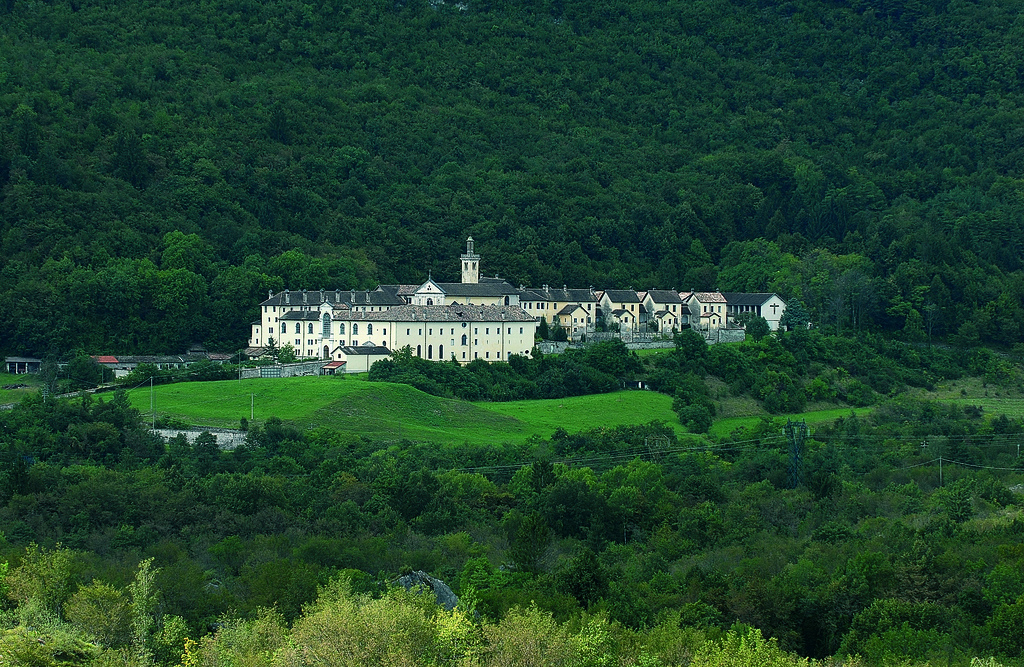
column 162, row 164
column 619, row 546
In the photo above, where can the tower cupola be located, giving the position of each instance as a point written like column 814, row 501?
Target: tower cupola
column 470, row 264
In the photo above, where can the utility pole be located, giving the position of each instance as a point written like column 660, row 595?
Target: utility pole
column 796, row 432
column 151, row 405
column 252, row 407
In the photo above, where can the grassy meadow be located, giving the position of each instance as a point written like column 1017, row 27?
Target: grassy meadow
column 393, row 411
column 15, row 395
column 381, row 410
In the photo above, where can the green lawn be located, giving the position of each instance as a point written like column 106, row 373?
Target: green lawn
column 579, row 413
column 15, row 395
column 395, row 411
column 375, row 409
column 1011, row 407
column 726, row 426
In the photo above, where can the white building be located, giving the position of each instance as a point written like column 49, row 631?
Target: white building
column 475, row 319
column 770, row 306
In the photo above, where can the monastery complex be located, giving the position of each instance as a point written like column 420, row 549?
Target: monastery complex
column 480, row 317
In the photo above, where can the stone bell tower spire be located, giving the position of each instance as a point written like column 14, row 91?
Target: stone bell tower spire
column 470, row 264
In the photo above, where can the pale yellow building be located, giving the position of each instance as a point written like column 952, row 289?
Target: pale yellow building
column 480, row 318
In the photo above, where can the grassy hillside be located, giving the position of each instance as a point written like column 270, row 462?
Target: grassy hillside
column 383, row 410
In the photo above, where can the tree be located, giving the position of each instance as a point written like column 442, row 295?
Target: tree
column 103, row 612
column 45, row 576
column 757, row 327
column 542, row 329
column 795, row 317
column 287, row 354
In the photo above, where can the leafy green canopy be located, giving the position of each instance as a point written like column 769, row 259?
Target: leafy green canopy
column 162, row 165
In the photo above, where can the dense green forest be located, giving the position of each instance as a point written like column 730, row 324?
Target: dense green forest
column 895, row 538
column 163, row 164
column 656, row 549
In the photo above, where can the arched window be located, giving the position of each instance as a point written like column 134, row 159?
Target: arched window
column 298, row 328
column 506, row 301
column 325, row 323
column 341, row 328
column 430, row 351
column 369, row 329
column 463, row 339
column 419, row 350
column 309, row 329
column 440, row 352
column 355, row 328
column 430, row 302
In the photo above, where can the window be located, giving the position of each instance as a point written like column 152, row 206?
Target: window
column 341, row 329
column 383, row 332
column 430, row 332
column 510, row 329
column 487, row 331
column 298, row 328
column 355, row 329
column 476, row 341
column 325, row 327
column 487, row 354
column 476, row 330
column 309, row 329
column 419, row 332
column 271, row 330
column 298, row 342
column 520, row 330
column 407, row 332
column 369, row 329
column 440, row 352
column 464, row 339
column 430, row 351
column 463, row 355
column 419, row 352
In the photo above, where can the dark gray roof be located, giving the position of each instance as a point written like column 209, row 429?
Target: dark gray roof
column 558, row 294
column 748, row 298
column 376, row 297
column 453, row 313
column 568, row 309
column 664, row 296
column 311, row 315
column 367, row 350
column 622, row 296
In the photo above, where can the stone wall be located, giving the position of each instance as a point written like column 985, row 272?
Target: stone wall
column 284, row 370
column 226, row 438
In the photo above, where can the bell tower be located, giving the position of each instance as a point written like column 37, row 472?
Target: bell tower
column 470, row 264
